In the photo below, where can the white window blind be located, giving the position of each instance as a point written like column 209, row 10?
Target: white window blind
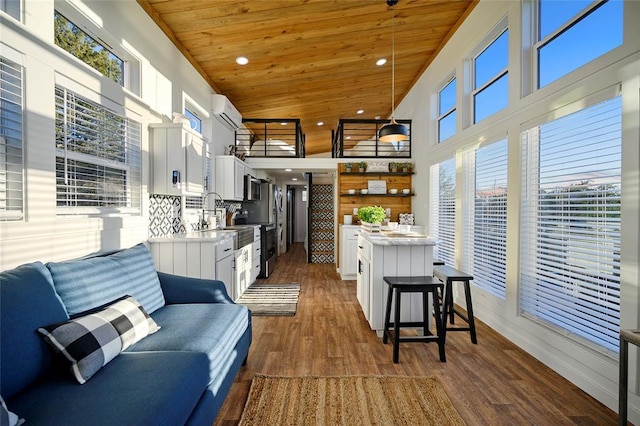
column 485, row 221
column 570, row 236
column 97, row 155
column 443, row 210
column 11, row 137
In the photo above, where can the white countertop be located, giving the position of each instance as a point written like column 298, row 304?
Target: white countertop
column 391, row 239
column 212, row 235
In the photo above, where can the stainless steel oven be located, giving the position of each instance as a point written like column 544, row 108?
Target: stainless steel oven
column 268, row 249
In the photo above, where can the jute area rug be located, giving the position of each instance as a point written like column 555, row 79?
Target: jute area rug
column 348, row 400
column 271, row 299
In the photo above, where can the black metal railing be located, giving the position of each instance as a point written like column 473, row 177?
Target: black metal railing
column 356, row 138
column 270, row 137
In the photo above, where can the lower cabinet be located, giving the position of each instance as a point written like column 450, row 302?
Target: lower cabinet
column 349, row 251
column 244, row 269
column 225, row 267
column 197, row 259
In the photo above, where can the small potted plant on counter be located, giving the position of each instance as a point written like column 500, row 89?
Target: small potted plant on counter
column 393, row 166
column 348, row 167
column 362, row 166
column 371, row 217
column 405, row 167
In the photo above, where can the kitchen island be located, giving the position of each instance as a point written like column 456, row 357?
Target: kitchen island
column 383, row 254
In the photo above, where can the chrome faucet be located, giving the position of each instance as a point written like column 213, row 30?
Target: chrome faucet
column 203, row 223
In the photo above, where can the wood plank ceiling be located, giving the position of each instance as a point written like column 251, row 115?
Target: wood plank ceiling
column 312, row 59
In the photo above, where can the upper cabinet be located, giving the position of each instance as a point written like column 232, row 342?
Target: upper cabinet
column 230, row 173
column 178, row 156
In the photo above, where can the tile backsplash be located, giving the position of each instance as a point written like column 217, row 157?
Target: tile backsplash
column 165, row 216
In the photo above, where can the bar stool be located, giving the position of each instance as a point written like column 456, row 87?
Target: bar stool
column 626, row 337
column 448, row 275
column 424, row 285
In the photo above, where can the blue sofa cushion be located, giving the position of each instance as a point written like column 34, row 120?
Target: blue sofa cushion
column 7, row 417
column 152, row 388
column 91, row 341
column 85, row 284
column 27, row 301
column 213, row 329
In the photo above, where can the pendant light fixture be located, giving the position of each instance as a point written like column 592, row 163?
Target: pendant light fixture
column 393, row 132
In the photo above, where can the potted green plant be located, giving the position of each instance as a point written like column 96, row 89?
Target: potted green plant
column 348, row 166
column 362, row 166
column 371, row 214
column 393, row 166
column 405, row 167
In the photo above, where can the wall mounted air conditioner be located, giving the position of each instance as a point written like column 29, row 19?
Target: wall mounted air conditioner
column 225, row 112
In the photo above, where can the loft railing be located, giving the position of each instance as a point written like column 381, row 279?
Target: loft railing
column 270, row 137
column 356, row 138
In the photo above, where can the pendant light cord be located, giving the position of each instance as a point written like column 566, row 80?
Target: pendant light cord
column 393, row 64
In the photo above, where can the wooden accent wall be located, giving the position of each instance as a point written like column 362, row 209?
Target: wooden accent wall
column 354, row 180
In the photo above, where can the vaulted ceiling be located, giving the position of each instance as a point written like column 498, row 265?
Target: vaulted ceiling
column 309, row 59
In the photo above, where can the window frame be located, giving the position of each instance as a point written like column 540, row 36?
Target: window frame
column 131, row 151
column 131, row 63
column 447, row 113
column 12, row 215
column 15, row 14
column 447, row 243
column 469, row 227
column 530, row 140
column 493, row 35
column 533, row 23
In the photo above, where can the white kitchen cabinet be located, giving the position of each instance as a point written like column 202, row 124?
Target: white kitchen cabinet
column 196, row 259
column 243, row 272
column 225, row 270
column 230, row 173
column 255, row 269
column 176, row 148
column 349, row 251
column 363, row 278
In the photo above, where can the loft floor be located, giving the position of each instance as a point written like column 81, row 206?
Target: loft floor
column 491, row 383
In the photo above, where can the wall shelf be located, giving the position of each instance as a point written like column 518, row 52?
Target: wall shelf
column 376, row 195
column 377, row 173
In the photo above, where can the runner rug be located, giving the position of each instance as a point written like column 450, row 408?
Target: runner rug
column 348, row 400
column 271, row 299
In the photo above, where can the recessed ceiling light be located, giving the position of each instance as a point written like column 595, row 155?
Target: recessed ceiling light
column 381, row 61
column 360, row 111
column 242, row 60
column 294, row 179
column 284, row 123
column 348, row 137
column 287, row 170
column 320, row 123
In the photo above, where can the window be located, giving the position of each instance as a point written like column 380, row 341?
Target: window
column 573, row 33
column 11, row 8
column 490, row 80
column 485, row 224
column 194, row 120
column 97, row 155
column 74, row 40
column 443, row 210
column 447, row 111
column 11, row 140
column 570, row 227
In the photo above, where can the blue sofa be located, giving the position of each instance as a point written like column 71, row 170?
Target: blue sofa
column 180, row 374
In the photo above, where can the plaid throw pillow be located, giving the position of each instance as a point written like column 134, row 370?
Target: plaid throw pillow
column 91, row 341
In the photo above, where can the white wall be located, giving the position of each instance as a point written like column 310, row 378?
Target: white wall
column 165, row 79
column 591, row 370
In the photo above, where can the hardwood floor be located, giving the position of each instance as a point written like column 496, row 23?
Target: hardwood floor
column 491, row 383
